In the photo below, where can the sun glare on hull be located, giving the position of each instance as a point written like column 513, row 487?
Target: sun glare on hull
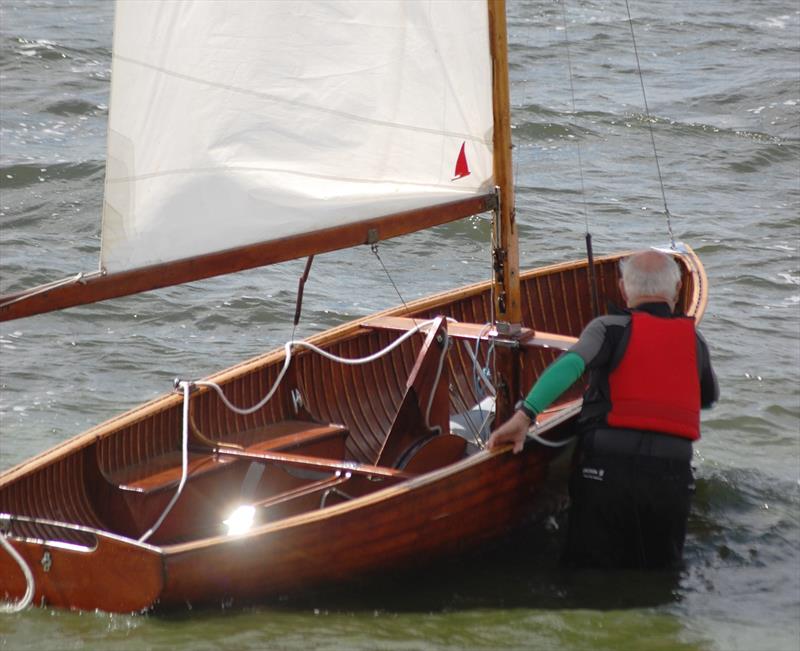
column 240, row 520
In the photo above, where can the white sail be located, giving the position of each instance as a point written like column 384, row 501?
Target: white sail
column 240, row 122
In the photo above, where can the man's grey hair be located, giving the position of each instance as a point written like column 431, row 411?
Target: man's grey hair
column 649, row 279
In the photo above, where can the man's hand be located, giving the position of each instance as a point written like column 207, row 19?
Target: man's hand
column 512, row 431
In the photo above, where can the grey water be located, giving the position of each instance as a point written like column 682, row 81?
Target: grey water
column 723, row 89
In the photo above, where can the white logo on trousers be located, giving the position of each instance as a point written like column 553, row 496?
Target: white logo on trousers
column 595, row 474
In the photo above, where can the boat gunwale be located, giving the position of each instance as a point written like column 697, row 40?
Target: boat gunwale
column 100, row 533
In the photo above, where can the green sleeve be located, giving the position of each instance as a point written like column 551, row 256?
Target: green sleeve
column 556, row 379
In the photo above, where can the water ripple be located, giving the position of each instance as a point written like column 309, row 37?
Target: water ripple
column 23, row 175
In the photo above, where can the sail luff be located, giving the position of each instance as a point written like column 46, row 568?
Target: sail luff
column 100, row 287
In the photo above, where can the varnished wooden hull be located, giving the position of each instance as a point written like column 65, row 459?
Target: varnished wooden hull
column 78, row 509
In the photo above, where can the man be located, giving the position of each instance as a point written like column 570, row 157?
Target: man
column 649, row 375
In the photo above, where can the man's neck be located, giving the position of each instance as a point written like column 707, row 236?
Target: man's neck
column 641, row 300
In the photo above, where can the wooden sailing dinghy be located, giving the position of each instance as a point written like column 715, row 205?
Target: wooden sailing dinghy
column 346, row 469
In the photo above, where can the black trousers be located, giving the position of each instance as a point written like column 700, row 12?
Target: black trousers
column 627, row 511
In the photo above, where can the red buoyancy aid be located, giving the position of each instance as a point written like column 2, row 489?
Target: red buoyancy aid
column 656, row 386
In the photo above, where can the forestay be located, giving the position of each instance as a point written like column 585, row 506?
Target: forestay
column 242, row 122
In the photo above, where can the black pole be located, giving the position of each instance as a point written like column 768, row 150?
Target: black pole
column 592, row 276
column 299, row 305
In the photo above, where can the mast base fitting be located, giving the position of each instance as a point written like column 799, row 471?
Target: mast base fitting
column 508, row 329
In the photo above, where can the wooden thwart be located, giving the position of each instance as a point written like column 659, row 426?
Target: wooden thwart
column 303, row 491
column 165, row 470
column 528, row 338
column 314, row 463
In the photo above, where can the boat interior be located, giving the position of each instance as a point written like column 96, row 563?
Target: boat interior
column 331, row 433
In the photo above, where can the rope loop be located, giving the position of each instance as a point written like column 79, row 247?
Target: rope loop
column 288, row 348
column 30, row 584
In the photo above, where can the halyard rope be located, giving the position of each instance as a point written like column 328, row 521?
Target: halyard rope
column 531, row 434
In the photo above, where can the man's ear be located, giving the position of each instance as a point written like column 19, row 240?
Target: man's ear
column 677, row 294
column 622, row 291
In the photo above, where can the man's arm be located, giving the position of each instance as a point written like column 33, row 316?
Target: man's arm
column 709, row 386
column 591, row 350
column 555, row 380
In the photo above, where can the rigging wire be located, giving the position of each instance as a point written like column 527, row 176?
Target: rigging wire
column 574, row 113
column 588, row 235
column 374, row 249
column 490, row 359
column 650, row 126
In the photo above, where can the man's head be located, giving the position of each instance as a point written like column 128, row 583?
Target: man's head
column 650, row 276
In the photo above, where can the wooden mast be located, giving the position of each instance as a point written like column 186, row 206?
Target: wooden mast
column 506, row 287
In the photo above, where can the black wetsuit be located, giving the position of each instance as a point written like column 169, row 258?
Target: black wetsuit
column 630, row 490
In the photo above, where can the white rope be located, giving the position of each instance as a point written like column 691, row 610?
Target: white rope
column 186, row 386
column 445, row 345
column 531, row 434
column 22, row 604
column 477, row 369
column 242, row 411
column 479, row 373
column 489, row 414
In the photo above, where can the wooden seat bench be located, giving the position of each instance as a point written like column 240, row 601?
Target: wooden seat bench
column 164, row 471
column 309, row 457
